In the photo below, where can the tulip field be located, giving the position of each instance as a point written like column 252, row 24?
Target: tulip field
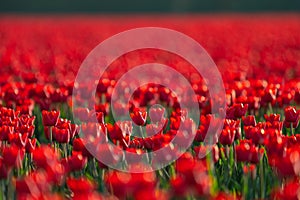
column 43, row 151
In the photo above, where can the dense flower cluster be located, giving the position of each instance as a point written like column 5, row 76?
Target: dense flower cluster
column 43, row 154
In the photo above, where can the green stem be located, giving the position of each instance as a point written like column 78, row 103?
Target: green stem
column 291, row 129
column 166, row 173
column 245, row 185
column 262, row 183
column 190, row 197
column 65, row 150
column 95, row 172
column 2, row 196
column 142, row 132
column 172, row 171
column 270, row 108
column 51, row 139
column 103, row 99
column 210, row 164
column 101, row 177
column 10, row 187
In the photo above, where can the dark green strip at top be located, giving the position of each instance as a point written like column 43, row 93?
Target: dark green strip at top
column 143, row 6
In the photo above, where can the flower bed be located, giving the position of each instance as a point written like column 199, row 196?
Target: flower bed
column 43, row 155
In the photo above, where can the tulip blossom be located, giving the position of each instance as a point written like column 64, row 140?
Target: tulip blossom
column 138, row 116
column 50, row 118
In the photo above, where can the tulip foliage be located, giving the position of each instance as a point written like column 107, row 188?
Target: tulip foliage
column 43, row 154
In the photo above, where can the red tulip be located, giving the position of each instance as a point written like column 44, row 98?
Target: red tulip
column 224, row 196
column 26, row 120
column 100, row 117
column 35, row 185
column 18, row 139
column 61, row 135
column 289, row 163
column 236, row 111
column 59, row 95
column 114, row 132
column 80, row 186
column 55, row 173
column 30, row 145
column 175, row 122
column 291, row 114
column 256, row 134
column 276, row 144
column 150, row 194
column 78, row 145
column 289, row 124
column 184, row 166
column 231, row 123
column 13, row 156
column 156, row 114
column 5, row 131
column 152, row 129
column 179, row 186
column 289, row 191
column 91, row 129
column 268, row 96
column 82, row 114
column 50, row 118
column 76, row 162
column 74, row 130
column 103, row 85
column 249, row 120
column 125, row 127
column 203, row 128
column 129, row 184
column 104, row 108
column 227, row 136
column 202, row 150
column 47, row 132
column 138, row 116
column 63, row 124
column 29, row 129
column 247, row 152
column 45, row 156
column 10, row 113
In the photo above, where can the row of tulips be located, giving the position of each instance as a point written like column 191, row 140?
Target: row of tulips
column 248, row 153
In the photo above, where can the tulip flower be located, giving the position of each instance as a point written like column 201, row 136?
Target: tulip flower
column 80, row 186
column 44, row 156
column 249, row 120
column 247, row 152
column 82, row 114
column 292, row 117
column 291, row 114
column 138, row 116
column 50, row 118
column 30, row 145
column 26, row 120
column 288, row 191
column 156, row 114
column 12, row 156
column 78, row 145
column 5, row 131
column 227, row 136
column 75, row 162
column 236, row 111
column 61, row 135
